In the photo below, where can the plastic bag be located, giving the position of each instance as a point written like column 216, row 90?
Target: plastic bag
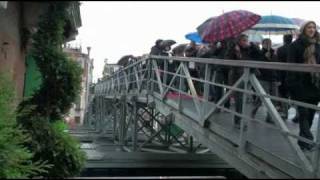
column 315, row 122
column 292, row 113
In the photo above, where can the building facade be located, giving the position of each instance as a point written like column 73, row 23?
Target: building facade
column 109, row 69
column 78, row 110
column 18, row 21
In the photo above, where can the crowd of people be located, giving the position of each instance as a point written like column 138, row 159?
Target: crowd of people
column 305, row 87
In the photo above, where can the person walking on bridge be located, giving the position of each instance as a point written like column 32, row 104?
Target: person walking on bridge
column 159, row 50
column 240, row 50
column 305, row 87
column 191, row 51
column 269, row 79
column 282, row 54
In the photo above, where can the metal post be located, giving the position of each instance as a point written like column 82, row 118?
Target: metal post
column 149, row 76
column 152, row 77
column 122, row 120
column 206, row 92
column 100, row 114
column 316, row 155
column 103, row 115
column 244, row 124
column 180, row 89
column 151, row 120
column 191, row 144
column 165, row 74
column 115, row 110
column 134, row 124
column 206, row 85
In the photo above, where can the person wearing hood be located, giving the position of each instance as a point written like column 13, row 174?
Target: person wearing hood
column 305, row 87
column 240, row 50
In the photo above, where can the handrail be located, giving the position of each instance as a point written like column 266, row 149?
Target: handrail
column 238, row 63
column 126, row 77
column 246, row 63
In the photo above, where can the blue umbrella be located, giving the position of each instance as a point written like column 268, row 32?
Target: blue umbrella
column 194, row 37
column 275, row 25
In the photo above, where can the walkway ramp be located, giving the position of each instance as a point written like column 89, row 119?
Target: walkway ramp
column 149, row 94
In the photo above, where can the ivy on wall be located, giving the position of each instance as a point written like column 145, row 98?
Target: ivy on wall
column 42, row 114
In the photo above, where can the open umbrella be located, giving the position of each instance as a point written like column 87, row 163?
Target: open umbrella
column 202, row 26
column 168, row 42
column 194, row 37
column 179, row 50
column 124, row 60
column 274, row 25
column 227, row 25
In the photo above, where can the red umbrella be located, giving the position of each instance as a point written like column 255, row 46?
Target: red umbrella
column 230, row 24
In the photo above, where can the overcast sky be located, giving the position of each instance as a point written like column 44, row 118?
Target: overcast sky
column 114, row 29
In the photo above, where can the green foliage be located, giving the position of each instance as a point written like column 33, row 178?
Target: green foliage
column 15, row 159
column 57, row 147
column 41, row 114
column 61, row 77
column 67, row 151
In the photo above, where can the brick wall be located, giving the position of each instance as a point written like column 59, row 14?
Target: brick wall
column 12, row 57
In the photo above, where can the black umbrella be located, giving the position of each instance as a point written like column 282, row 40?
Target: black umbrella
column 168, row 42
column 179, row 50
column 124, row 61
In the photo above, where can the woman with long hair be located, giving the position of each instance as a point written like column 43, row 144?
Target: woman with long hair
column 305, row 87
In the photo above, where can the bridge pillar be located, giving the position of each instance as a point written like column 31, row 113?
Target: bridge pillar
column 134, row 124
column 168, row 122
column 115, row 116
column 123, row 116
column 244, row 124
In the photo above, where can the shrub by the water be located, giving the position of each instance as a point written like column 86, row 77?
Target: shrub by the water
column 15, row 158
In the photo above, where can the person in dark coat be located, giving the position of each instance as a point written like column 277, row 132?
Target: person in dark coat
column 282, row 54
column 178, row 51
column 305, row 87
column 222, row 72
column 282, row 51
column 191, row 51
column 240, row 50
column 207, row 51
column 157, row 48
column 160, row 50
column 268, row 55
column 269, row 79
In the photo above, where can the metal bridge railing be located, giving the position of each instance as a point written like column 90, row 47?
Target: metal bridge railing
column 171, row 81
